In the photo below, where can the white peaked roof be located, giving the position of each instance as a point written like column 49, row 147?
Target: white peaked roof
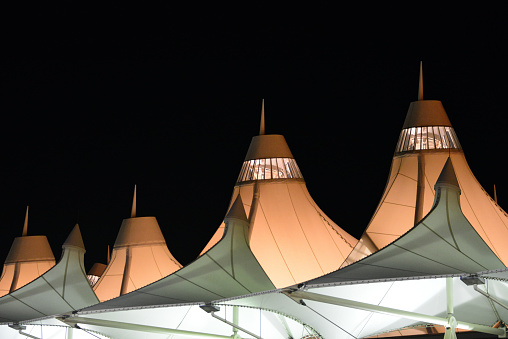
column 171, row 305
column 414, row 281
column 228, row 269
column 28, row 258
column 64, row 288
column 291, row 237
column 442, row 243
column 426, row 142
column 140, row 256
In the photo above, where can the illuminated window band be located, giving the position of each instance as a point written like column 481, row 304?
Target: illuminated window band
column 270, row 168
column 431, row 137
column 92, row 279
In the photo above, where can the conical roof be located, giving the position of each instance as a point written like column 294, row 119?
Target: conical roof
column 29, row 248
column 140, row 256
column 268, row 146
column 74, row 239
column 447, row 176
column 237, row 210
column 63, row 288
column 423, row 150
column 290, row 236
column 425, row 112
column 228, row 269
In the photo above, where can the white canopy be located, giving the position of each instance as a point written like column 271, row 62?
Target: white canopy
column 291, row 237
column 228, row 269
column 64, row 288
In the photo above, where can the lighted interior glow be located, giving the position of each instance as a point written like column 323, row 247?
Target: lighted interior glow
column 428, row 137
column 92, row 279
column 269, row 168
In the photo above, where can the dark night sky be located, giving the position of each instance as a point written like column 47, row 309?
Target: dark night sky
column 89, row 113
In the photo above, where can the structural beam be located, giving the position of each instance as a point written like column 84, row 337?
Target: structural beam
column 235, row 326
column 391, row 311
column 71, row 321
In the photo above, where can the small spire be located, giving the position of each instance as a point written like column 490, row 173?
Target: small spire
column 74, row 239
column 495, row 194
column 25, row 226
column 420, row 86
column 109, row 257
column 447, row 176
column 237, row 210
column 262, row 124
column 133, row 210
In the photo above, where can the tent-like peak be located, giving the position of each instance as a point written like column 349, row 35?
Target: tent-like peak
column 268, row 146
column 237, row 211
column 30, row 248
column 425, row 112
column 74, row 239
column 268, row 157
column 447, row 176
column 426, row 126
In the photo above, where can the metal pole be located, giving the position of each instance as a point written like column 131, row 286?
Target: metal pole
column 137, row 327
column 235, row 320
column 238, row 327
column 449, row 296
column 391, row 311
column 70, row 332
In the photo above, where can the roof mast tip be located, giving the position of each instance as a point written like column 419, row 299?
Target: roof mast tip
column 133, row 210
column 25, row 226
column 420, row 86
column 262, row 124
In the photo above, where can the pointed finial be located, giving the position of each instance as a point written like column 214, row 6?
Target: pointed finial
column 74, row 239
column 420, row 86
column 495, row 194
column 109, row 257
column 237, row 210
column 25, row 226
column 447, row 176
column 262, row 124
column 133, row 210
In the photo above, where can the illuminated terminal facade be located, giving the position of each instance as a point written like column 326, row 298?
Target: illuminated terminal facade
column 431, row 261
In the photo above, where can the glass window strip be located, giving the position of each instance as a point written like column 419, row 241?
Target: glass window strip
column 406, row 139
column 437, row 137
column 456, row 139
column 401, row 136
column 281, row 169
column 401, row 140
column 300, row 175
column 427, row 137
column 275, row 172
column 293, row 168
column 443, row 137
column 403, row 146
column 269, row 168
column 242, row 170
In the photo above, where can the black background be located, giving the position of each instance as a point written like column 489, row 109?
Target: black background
column 96, row 99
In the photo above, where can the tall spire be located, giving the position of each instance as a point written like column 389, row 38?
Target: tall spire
column 25, row 226
column 420, row 86
column 133, row 210
column 262, row 124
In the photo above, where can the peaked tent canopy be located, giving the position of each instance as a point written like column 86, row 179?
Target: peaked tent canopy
column 140, row 257
column 28, row 258
column 426, row 142
column 290, row 236
column 413, row 282
column 64, row 288
column 228, row 269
